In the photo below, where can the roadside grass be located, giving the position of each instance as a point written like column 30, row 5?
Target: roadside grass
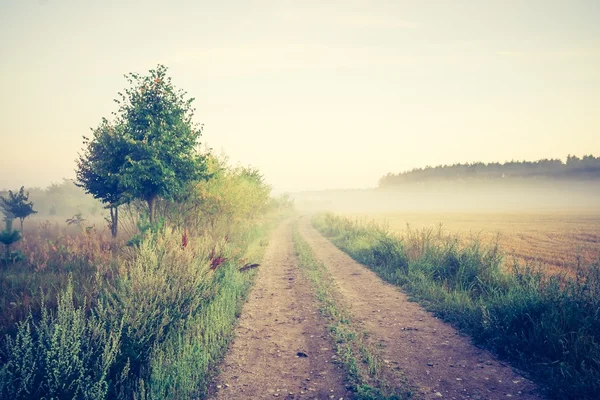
column 558, row 239
column 367, row 374
column 54, row 256
column 188, row 361
column 549, row 326
column 157, row 329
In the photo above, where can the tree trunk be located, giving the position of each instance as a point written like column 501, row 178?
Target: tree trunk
column 151, row 209
column 22, row 219
column 114, row 221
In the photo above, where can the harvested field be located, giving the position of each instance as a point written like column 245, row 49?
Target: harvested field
column 557, row 240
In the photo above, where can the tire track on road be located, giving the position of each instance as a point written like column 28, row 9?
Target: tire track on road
column 433, row 355
column 279, row 320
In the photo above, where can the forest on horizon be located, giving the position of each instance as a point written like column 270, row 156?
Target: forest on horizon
column 574, row 168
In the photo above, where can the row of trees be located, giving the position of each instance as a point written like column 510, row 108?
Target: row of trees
column 587, row 167
column 150, row 150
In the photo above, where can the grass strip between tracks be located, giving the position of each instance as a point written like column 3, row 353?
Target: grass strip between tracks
column 367, row 373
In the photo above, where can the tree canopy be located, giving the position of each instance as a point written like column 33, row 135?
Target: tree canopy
column 17, row 205
column 162, row 139
column 233, row 194
column 98, row 168
column 150, row 150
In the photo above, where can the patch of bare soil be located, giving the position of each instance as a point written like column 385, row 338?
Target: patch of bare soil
column 435, row 358
column 281, row 349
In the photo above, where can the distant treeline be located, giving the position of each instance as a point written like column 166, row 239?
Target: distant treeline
column 574, row 168
column 61, row 199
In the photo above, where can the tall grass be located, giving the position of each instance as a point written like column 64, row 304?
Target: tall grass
column 183, row 366
column 67, row 354
column 54, row 255
column 160, row 320
column 548, row 325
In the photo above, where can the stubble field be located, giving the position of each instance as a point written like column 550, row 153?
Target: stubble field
column 557, row 241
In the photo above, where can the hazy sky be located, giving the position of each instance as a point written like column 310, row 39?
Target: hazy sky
column 316, row 94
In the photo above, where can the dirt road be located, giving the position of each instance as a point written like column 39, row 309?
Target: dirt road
column 433, row 356
column 281, row 320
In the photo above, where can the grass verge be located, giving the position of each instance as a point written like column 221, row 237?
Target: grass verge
column 548, row 326
column 157, row 330
column 185, row 364
column 367, row 373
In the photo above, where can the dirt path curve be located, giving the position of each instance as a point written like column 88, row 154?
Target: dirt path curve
column 433, row 356
column 279, row 320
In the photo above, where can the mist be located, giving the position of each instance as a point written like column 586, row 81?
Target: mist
column 493, row 196
column 316, row 95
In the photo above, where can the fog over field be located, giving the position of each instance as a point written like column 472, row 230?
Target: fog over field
column 489, row 197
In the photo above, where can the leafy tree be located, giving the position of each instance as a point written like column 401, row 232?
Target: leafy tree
column 149, row 151
column 98, row 168
column 17, row 205
column 161, row 139
column 232, row 194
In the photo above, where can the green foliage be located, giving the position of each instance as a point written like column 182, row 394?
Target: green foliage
column 547, row 325
column 173, row 317
column 231, row 195
column 149, row 151
column 150, row 320
column 157, row 329
column 157, row 291
column 66, row 355
column 184, row 365
column 17, row 205
column 161, row 138
column 99, row 166
column 146, row 230
column 232, row 198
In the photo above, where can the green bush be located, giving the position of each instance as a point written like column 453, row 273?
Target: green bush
column 65, row 355
column 157, row 329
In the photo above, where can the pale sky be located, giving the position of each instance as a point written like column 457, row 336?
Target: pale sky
column 316, row 94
